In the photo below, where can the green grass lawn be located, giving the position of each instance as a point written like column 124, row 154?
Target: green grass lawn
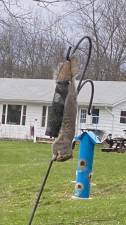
column 22, row 168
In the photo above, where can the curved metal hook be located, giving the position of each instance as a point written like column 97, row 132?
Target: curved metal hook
column 92, row 93
column 68, row 56
column 68, row 53
column 80, row 85
column 88, row 59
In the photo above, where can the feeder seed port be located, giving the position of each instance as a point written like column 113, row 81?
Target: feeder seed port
column 82, row 164
column 79, row 186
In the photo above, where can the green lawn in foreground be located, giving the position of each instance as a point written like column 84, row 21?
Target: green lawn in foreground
column 22, row 167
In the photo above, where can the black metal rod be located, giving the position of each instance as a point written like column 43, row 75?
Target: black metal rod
column 68, row 53
column 81, row 82
column 40, row 192
column 92, row 93
column 87, row 61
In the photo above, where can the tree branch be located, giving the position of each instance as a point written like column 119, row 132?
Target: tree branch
column 51, row 2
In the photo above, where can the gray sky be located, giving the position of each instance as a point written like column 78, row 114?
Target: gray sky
column 57, row 9
column 34, row 7
column 55, row 12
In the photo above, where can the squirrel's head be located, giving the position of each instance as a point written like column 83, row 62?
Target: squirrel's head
column 68, row 69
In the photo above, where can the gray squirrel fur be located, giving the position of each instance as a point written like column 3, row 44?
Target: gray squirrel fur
column 65, row 73
column 55, row 115
column 62, row 146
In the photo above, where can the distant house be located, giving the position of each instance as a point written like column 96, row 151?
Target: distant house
column 24, row 106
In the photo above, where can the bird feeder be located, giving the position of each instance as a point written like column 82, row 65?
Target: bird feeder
column 87, row 140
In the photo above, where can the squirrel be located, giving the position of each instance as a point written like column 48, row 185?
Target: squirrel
column 62, row 146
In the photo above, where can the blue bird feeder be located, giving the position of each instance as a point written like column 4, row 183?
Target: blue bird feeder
column 87, row 139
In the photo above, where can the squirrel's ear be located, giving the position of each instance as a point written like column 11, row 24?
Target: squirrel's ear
column 57, row 70
column 59, row 66
column 74, row 66
column 64, row 71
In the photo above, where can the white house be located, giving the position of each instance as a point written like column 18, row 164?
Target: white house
column 24, row 104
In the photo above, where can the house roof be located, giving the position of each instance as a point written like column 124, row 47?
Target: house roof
column 107, row 93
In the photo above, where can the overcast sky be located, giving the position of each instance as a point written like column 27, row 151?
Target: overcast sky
column 57, row 9
column 34, row 7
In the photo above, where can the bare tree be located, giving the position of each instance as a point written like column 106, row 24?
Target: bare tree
column 29, row 52
column 34, row 50
column 105, row 23
column 51, row 1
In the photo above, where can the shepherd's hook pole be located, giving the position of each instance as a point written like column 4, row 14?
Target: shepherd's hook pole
column 40, row 192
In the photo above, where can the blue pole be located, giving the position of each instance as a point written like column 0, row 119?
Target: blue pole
column 85, row 163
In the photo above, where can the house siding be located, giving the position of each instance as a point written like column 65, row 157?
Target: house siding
column 106, row 120
column 34, row 118
column 109, row 121
column 104, row 123
column 119, row 127
column 1, row 109
column 33, row 113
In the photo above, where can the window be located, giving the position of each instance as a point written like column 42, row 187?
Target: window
column 44, row 110
column 95, row 116
column 14, row 114
column 4, row 114
column 83, row 116
column 123, row 117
